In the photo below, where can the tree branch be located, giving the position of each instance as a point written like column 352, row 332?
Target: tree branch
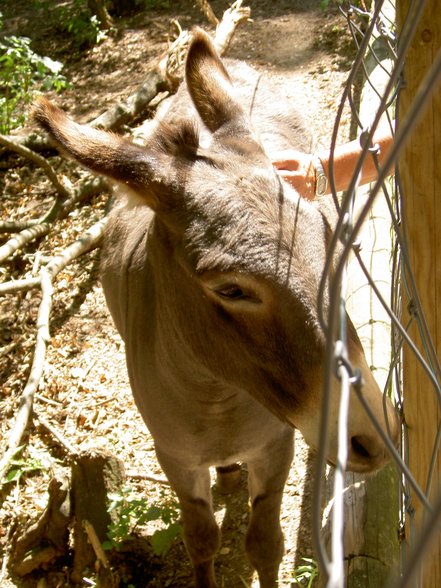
column 204, row 5
column 35, row 228
column 26, row 400
column 232, row 17
column 89, row 240
column 22, row 150
column 57, row 435
column 24, row 237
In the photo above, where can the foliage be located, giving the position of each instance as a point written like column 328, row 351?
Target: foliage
column 34, row 463
column 23, row 73
column 133, row 511
column 76, row 19
column 305, row 574
column 84, row 28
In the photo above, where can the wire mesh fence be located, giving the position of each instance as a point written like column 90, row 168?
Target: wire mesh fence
column 373, row 95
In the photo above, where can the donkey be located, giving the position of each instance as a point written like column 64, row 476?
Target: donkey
column 211, row 269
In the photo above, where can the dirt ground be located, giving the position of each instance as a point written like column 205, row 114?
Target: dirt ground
column 85, row 392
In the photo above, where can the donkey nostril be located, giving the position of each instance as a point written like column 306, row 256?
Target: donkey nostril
column 363, row 446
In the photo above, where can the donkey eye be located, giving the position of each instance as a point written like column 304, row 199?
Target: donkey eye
column 231, row 292
column 234, row 292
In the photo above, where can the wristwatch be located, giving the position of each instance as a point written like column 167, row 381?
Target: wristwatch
column 321, row 181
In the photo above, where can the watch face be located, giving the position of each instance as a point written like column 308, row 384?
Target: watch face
column 321, row 183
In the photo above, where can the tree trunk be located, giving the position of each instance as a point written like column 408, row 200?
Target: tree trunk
column 98, row 7
column 94, row 475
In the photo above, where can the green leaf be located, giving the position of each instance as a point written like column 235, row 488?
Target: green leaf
column 162, row 539
column 13, row 475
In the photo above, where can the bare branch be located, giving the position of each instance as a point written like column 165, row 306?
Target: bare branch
column 27, row 397
column 147, row 476
column 87, row 188
column 22, row 239
column 124, row 112
column 15, row 286
column 57, row 435
column 227, row 26
column 96, row 544
column 18, row 226
column 62, row 191
column 89, row 240
column 7, row 349
column 204, row 5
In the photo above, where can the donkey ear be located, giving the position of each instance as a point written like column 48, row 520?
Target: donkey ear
column 209, row 84
column 137, row 167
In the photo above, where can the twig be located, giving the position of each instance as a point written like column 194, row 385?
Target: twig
column 96, row 544
column 8, row 348
column 147, row 476
column 49, row 401
column 61, row 208
column 88, row 241
column 56, row 433
column 62, row 191
column 22, row 239
column 15, row 286
column 89, row 187
column 17, row 226
column 85, row 243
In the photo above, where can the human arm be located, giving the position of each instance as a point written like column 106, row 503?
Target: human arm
column 300, row 169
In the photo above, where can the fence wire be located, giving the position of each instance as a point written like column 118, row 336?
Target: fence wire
column 380, row 55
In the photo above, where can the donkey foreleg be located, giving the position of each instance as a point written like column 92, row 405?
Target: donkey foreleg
column 202, row 538
column 201, row 532
column 266, row 478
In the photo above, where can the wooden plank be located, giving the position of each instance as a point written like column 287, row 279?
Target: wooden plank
column 421, row 179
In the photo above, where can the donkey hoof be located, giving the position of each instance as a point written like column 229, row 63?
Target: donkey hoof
column 228, row 478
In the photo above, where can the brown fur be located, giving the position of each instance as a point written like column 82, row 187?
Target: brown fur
column 211, row 273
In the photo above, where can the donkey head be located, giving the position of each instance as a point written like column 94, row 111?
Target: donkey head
column 244, row 253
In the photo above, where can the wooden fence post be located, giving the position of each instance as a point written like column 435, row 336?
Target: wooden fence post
column 420, row 171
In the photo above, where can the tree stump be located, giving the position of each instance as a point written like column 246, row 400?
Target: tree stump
column 94, row 476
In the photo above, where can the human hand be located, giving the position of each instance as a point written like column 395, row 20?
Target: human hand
column 296, row 168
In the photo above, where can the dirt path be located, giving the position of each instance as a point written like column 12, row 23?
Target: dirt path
column 302, row 49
